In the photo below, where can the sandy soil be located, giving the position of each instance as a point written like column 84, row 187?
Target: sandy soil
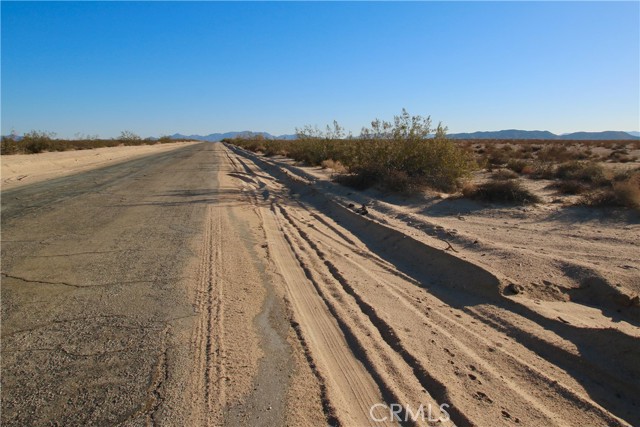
column 565, row 341
column 22, row 169
column 211, row 286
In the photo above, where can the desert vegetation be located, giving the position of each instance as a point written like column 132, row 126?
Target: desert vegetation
column 498, row 190
column 601, row 173
column 408, row 155
column 41, row 141
column 402, row 155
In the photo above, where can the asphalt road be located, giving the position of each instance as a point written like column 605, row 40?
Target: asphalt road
column 92, row 296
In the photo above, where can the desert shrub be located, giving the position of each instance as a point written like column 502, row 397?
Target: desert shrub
column 129, row 138
column 624, row 175
column 271, row 148
column 517, row 165
column 436, row 163
column 510, row 191
column 498, row 158
column 621, row 156
column 555, row 153
column 627, row 192
column 581, row 171
column 540, row 170
column 571, row 187
column 36, row 141
column 393, row 155
column 9, row 145
column 624, row 193
column 400, row 182
column 504, row 174
column 600, row 198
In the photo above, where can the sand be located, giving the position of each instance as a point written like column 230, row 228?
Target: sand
column 23, row 169
column 509, row 315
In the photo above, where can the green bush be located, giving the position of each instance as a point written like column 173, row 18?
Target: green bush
column 395, row 156
column 9, row 145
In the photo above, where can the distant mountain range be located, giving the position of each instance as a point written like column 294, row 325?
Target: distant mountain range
column 543, row 134
column 501, row 134
column 212, row 137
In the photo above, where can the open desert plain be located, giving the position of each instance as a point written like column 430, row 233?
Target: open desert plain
column 209, row 285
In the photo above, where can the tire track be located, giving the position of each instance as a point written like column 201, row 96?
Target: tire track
column 436, row 389
column 351, row 389
column 208, row 342
column 465, row 340
column 381, row 367
column 545, row 399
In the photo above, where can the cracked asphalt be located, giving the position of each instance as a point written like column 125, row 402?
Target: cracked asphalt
column 92, row 295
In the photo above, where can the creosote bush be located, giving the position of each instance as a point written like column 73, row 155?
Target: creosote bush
column 403, row 155
column 589, row 172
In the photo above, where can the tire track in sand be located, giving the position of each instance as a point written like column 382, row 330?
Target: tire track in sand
column 351, row 389
column 208, row 340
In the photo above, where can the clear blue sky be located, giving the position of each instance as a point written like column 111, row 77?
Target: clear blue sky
column 200, row 67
